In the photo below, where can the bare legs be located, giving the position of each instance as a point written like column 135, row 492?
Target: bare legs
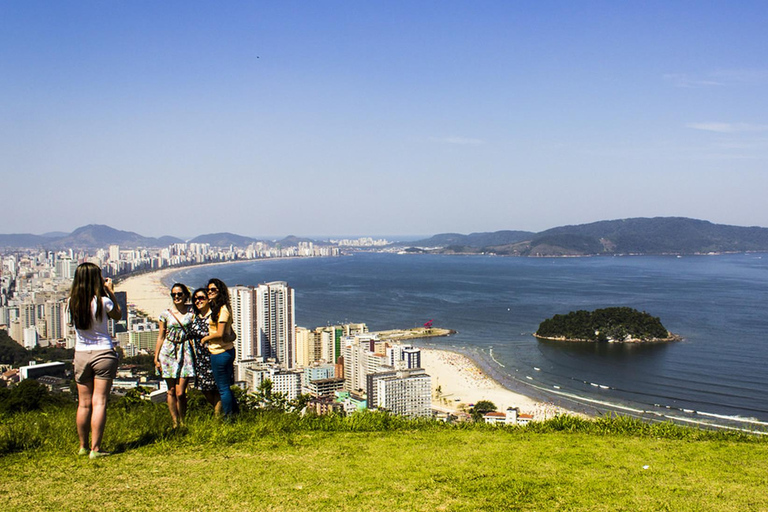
column 92, row 412
column 214, row 399
column 177, row 399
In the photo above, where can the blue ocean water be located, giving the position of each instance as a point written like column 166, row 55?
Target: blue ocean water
column 719, row 304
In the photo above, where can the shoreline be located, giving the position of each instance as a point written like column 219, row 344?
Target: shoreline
column 149, row 294
column 461, row 379
column 672, row 338
column 458, row 382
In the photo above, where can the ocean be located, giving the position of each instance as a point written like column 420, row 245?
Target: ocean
column 718, row 304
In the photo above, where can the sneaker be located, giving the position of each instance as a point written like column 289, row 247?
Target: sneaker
column 83, row 452
column 97, row 455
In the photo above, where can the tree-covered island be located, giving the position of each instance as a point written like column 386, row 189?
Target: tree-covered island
column 613, row 325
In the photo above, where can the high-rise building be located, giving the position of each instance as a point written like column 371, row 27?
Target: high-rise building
column 263, row 318
column 360, row 360
column 276, row 322
column 114, row 253
column 412, row 357
column 304, row 347
column 55, row 328
column 244, row 302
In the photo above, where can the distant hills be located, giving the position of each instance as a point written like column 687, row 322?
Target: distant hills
column 94, row 236
column 659, row 235
column 224, row 240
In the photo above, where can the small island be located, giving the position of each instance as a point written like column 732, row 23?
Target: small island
column 608, row 325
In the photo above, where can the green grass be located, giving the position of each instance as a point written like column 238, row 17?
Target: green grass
column 273, row 461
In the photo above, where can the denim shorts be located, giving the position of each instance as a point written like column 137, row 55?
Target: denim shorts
column 95, row 364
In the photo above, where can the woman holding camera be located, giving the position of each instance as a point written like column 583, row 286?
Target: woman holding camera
column 91, row 302
column 173, row 352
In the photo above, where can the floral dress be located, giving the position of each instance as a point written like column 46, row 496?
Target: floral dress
column 176, row 357
column 203, row 373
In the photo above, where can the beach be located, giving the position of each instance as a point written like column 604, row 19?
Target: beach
column 147, row 292
column 457, row 381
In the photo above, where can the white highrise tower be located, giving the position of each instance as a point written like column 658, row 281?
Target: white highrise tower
column 114, row 253
column 277, row 322
column 244, row 315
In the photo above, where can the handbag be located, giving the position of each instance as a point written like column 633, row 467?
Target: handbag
column 183, row 328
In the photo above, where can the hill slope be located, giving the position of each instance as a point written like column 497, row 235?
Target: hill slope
column 269, row 464
column 660, row 235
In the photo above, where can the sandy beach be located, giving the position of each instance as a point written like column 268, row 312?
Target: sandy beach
column 147, row 292
column 460, row 381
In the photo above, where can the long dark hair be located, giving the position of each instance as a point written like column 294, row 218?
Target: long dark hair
column 221, row 299
column 87, row 284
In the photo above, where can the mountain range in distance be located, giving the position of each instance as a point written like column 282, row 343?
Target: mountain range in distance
column 659, row 235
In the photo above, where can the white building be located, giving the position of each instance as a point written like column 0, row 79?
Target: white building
column 286, row 382
column 502, row 418
column 406, row 393
column 263, row 318
column 360, row 360
column 277, row 322
column 244, row 315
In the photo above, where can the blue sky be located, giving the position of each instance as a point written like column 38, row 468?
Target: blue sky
column 381, row 118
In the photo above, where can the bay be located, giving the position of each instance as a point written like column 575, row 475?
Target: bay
column 717, row 303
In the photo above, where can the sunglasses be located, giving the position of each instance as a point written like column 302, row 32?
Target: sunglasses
column 213, row 290
column 177, row 294
column 200, row 298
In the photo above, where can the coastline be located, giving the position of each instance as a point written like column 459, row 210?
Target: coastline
column 461, row 380
column 673, row 337
column 149, row 294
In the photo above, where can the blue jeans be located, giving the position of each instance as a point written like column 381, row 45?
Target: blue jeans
column 223, row 373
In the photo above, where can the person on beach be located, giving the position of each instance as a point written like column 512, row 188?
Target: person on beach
column 91, row 302
column 204, row 379
column 173, row 352
column 220, row 342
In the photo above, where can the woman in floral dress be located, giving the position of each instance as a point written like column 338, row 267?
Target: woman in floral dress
column 173, row 352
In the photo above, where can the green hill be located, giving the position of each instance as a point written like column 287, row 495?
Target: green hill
column 275, row 461
column 659, row 235
column 608, row 324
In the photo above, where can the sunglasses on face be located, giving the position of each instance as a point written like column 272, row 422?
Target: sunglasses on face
column 200, row 298
column 176, row 294
column 213, row 290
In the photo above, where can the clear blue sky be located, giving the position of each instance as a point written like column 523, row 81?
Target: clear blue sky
column 353, row 118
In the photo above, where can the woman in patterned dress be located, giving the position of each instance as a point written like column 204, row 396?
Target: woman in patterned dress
column 204, row 380
column 173, row 352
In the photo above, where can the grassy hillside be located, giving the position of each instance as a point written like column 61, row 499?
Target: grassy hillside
column 272, row 461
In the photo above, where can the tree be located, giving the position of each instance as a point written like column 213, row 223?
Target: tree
column 11, row 352
column 482, row 407
column 29, row 395
column 266, row 399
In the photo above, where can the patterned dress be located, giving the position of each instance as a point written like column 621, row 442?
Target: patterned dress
column 203, row 373
column 176, row 357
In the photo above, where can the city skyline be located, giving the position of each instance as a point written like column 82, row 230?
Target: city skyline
column 380, row 119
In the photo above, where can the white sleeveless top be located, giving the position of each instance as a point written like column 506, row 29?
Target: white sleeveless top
column 97, row 337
